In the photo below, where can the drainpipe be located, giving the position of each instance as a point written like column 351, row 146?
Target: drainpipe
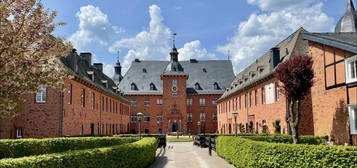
column 61, row 115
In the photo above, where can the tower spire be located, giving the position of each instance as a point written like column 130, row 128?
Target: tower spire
column 350, row 6
column 173, row 40
column 348, row 22
column 118, row 54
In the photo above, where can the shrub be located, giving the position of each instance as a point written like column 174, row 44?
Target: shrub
column 130, row 155
column 311, row 140
column 243, row 152
column 27, row 147
column 277, row 127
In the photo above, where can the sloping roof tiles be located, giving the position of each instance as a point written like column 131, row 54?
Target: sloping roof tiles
column 205, row 73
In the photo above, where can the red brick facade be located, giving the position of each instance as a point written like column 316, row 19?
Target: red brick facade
column 324, row 111
column 330, row 96
column 175, row 109
column 256, row 112
column 64, row 114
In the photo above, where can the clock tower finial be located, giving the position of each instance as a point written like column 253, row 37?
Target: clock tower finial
column 173, row 40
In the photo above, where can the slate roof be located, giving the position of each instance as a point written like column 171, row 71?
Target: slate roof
column 261, row 68
column 346, row 41
column 348, row 22
column 81, row 72
column 217, row 71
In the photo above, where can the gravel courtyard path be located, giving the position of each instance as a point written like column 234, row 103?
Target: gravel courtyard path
column 186, row 155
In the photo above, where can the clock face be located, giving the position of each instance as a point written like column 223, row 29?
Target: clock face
column 174, row 88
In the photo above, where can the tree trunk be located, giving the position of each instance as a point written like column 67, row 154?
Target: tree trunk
column 292, row 120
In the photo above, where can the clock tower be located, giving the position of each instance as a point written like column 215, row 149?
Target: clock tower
column 174, row 95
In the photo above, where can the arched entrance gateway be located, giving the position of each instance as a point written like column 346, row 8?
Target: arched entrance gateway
column 174, row 127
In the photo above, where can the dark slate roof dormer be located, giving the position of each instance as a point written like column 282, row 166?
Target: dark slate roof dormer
column 80, row 67
column 174, row 66
column 348, row 22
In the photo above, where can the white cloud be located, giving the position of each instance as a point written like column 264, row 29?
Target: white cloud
column 262, row 31
column 93, row 26
column 274, row 5
column 193, row 50
column 108, row 69
column 154, row 43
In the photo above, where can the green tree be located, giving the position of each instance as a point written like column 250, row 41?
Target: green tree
column 29, row 53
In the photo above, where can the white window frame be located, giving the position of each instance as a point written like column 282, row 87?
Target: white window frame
column 349, row 78
column 41, row 95
column 189, row 102
column 159, row 102
column 202, row 102
column 214, row 117
column 189, row 117
column 352, row 109
column 18, row 132
column 146, row 102
column 147, row 118
column 269, row 93
column 133, row 103
column 214, row 101
column 202, row 116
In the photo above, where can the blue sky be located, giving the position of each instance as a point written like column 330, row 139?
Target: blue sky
column 207, row 29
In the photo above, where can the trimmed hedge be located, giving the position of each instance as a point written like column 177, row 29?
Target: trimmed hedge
column 311, row 140
column 28, row 147
column 243, row 152
column 131, row 155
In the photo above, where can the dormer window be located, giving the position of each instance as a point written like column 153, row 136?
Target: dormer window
column 252, row 74
column 197, row 86
column 144, row 70
column 152, row 86
column 115, row 89
column 260, row 69
column 216, row 86
column 246, row 79
column 105, row 83
column 133, row 86
column 204, row 70
column 240, row 82
column 91, row 75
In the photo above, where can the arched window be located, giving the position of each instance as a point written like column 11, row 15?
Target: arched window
column 216, row 86
column 144, row 70
column 197, row 86
column 204, row 70
column 133, row 86
column 152, row 86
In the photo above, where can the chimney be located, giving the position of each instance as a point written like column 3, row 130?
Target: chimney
column 87, row 56
column 98, row 66
column 73, row 59
column 275, row 57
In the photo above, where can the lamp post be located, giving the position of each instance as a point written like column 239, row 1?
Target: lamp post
column 139, row 119
column 235, row 114
column 199, row 127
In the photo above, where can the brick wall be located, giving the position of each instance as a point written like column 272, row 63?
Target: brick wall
column 40, row 120
column 329, row 101
column 57, row 117
column 173, row 114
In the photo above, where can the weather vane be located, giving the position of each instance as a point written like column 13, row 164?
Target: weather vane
column 173, row 39
column 118, row 53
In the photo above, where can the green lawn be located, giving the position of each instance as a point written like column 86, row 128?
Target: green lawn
column 180, row 139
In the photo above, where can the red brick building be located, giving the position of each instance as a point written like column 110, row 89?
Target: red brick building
column 89, row 104
column 255, row 94
column 330, row 108
column 175, row 95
